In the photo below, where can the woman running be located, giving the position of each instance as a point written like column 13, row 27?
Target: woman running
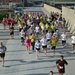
column 2, row 52
column 22, row 34
column 4, row 23
column 12, row 31
column 32, row 37
column 37, row 46
column 54, row 42
column 27, row 43
column 44, row 44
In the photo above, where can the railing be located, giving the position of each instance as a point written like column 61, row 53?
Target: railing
column 53, row 2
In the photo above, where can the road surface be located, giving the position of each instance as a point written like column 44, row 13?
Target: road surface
column 19, row 62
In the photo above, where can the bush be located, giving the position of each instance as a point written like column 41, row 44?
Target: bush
column 3, row 15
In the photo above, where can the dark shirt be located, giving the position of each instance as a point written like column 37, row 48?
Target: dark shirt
column 62, row 63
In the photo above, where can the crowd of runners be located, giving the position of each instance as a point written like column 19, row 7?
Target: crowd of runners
column 38, row 31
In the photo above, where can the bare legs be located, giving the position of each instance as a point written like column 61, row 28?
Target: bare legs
column 2, row 61
column 45, row 51
column 60, row 73
column 37, row 52
column 28, row 49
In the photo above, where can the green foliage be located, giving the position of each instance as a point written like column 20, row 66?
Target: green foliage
column 3, row 15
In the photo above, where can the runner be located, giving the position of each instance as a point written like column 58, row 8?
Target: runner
column 63, row 38
column 61, row 65
column 41, row 24
column 54, row 42
column 27, row 43
column 47, row 26
column 20, row 27
column 11, row 31
column 22, row 34
column 12, row 21
column 37, row 30
column 2, row 52
column 23, row 22
column 4, row 23
column 8, row 21
column 57, row 34
column 32, row 37
column 44, row 44
column 53, row 28
column 48, row 36
column 37, row 46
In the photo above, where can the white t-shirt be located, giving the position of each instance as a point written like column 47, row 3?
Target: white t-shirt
column 73, row 39
column 56, row 24
column 43, row 41
column 63, row 37
column 48, row 35
column 29, row 23
column 22, row 33
column 37, row 45
column 37, row 29
column 48, row 19
column 43, row 27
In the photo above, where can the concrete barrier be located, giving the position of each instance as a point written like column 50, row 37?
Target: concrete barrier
column 51, row 9
column 69, row 15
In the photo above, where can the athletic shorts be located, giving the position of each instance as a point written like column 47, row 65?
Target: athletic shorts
column 44, row 46
column 22, row 39
column 37, row 49
column 12, row 33
column 20, row 29
column 48, row 40
column 61, row 71
column 2, row 55
column 73, row 44
column 27, row 45
column 37, row 33
column 53, row 47
column 63, row 41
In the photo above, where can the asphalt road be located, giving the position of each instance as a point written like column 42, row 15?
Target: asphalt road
column 19, row 62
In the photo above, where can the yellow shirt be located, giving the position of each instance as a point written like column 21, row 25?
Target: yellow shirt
column 32, row 38
column 53, row 27
column 40, row 24
column 41, row 17
column 47, row 26
column 28, row 21
column 54, row 41
column 19, row 26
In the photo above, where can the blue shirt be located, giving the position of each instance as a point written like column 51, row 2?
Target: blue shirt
column 2, row 48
